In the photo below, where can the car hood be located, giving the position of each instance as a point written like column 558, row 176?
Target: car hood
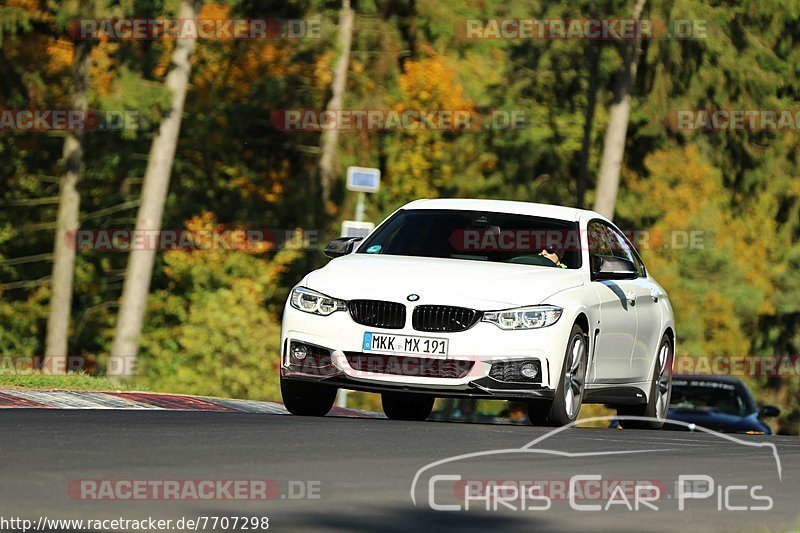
column 716, row 421
column 479, row 285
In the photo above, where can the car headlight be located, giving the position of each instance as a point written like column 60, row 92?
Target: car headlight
column 537, row 316
column 315, row 302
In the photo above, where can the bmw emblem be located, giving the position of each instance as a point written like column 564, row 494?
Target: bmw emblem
column 412, row 297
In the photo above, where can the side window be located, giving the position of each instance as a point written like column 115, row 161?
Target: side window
column 599, row 243
column 606, row 240
column 622, row 249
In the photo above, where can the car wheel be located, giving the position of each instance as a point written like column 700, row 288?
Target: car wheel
column 657, row 405
column 566, row 404
column 406, row 406
column 307, row 399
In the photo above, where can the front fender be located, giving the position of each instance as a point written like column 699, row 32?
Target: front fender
column 580, row 304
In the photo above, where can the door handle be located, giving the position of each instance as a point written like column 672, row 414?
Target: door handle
column 654, row 294
column 631, row 297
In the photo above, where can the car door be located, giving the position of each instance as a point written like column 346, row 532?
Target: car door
column 644, row 294
column 617, row 327
column 649, row 329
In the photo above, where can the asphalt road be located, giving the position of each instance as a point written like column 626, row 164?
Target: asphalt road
column 365, row 469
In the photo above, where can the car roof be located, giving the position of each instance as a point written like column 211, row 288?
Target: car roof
column 505, row 206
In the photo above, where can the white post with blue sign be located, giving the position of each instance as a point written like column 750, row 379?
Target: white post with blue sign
column 362, row 180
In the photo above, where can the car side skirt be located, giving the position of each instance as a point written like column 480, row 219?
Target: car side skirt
column 617, row 395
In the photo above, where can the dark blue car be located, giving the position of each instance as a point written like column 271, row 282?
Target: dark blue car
column 720, row 403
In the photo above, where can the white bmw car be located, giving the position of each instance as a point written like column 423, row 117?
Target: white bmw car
column 482, row 299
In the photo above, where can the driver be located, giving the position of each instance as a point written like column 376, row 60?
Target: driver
column 554, row 254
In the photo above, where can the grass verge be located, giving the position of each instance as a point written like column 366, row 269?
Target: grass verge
column 70, row 381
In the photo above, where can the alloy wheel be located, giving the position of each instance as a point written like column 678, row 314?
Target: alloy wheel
column 575, row 376
column 663, row 381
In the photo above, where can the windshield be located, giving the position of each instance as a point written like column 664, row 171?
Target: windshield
column 478, row 236
column 710, row 395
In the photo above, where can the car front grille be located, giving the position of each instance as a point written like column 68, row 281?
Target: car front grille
column 444, row 318
column 400, row 365
column 378, row 314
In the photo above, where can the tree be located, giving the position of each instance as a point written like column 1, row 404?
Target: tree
column 617, row 129
column 329, row 138
column 68, row 212
column 593, row 58
column 154, row 193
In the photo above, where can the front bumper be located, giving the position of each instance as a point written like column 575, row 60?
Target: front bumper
column 485, row 388
column 480, row 346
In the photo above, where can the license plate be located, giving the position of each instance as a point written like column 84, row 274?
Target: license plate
column 405, row 344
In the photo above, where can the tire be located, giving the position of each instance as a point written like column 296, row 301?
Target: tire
column 307, row 399
column 406, row 406
column 566, row 404
column 657, row 404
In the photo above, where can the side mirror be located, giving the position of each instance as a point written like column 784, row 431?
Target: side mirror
column 341, row 246
column 608, row 267
column 769, row 411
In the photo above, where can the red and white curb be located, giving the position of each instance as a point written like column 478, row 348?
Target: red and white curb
column 63, row 399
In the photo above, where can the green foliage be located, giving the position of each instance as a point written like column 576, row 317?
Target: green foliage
column 699, row 252
column 209, row 331
column 22, row 331
column 13, row 20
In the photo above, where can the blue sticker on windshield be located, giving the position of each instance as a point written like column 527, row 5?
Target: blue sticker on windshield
column 374, row 249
